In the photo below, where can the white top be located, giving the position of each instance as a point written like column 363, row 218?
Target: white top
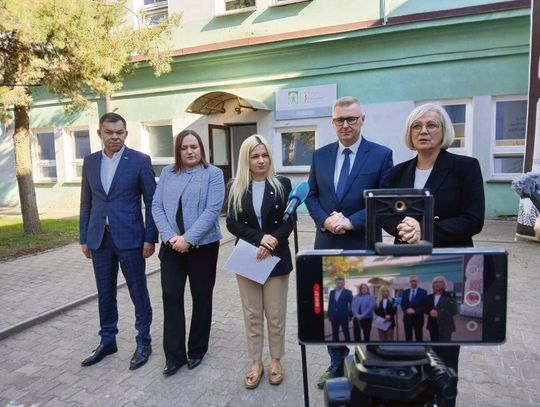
column 384, row 302
column 108, row 169
column 341, row 157
column 257, row 194
column 421, row 177
column 436, row 299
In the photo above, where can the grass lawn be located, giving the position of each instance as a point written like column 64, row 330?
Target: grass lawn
column 14, row 243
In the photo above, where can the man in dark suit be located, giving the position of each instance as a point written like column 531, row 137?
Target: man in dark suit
column 112, row 233
column 339, row 309
column 339, row 174
column 413, row 303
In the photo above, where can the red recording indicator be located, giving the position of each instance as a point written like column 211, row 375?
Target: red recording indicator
column 317, row 298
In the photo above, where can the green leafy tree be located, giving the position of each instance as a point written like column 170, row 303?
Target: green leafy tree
column 74, row 49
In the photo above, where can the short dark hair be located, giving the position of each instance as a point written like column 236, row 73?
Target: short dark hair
column 112, row 118
column 178, row 148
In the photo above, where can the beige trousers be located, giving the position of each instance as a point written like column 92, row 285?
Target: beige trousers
column 258, row 301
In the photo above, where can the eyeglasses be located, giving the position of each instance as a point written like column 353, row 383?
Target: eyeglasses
column 431, row 127
column 340, row 121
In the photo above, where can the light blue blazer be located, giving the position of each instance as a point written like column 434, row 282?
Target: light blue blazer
column 202, row 190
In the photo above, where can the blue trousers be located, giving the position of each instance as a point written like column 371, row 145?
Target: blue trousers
column 106, row 260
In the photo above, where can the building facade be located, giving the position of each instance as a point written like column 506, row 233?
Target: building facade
column 274, row 67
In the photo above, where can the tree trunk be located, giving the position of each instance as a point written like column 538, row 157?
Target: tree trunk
column 108, row 108
column 23, row 171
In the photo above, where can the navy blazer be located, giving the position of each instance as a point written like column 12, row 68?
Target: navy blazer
column 458, row 189
column 389, row 310
column 340, row 310
column 134, row 177
column 418, row 304
column 247, row 227
column 370, row 170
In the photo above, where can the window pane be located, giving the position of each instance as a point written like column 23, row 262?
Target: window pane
column 160, row 141
column 238, row 4
column 149, row 2
column 46, row 146
column 508, row 165
column 511, row 117
column 297, row 147
column 81, row 140
column 154, row 19
column 457, row 116
column 47, row 172
column 158, row 168
column 220, row 147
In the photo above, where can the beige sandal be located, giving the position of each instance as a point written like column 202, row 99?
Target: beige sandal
column 276, row 372
column 254, row 375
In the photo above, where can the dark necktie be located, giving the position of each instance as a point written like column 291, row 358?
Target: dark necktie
column 343, row 175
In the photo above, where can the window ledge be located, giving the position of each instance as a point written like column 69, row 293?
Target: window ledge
column 163, row 5
column 45, row 182
column 72, row 182
column 286, row 2
column 237, row 11
column 499, row 181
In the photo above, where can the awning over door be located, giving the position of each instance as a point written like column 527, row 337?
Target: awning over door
column 214, row 102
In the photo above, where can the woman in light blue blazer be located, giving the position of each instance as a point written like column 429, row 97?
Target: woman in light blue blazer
column 186, row 208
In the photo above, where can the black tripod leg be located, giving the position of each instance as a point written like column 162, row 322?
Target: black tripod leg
column 305, row 375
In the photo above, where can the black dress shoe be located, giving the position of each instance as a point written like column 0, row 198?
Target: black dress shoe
column 140, row 356
column 172, row 367
column 100, row 352
column 193, row 363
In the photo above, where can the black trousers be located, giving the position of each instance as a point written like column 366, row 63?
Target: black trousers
column 199, row 265
column 417, row 325
column 365, row 326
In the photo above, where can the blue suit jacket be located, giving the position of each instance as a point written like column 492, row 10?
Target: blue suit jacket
column 134, row 177
column 370, row 170
column 418, row 304
column 340, row 310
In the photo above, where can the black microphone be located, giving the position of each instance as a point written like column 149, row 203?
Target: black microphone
column 296, row 197
column 528, row 186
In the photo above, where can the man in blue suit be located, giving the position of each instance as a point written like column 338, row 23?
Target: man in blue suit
column 413, row 304
column 340, row 172
column 112, row 233
column 339, row 309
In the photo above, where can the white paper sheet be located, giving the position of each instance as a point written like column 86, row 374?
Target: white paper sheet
column 381, row 324
column 243, row 261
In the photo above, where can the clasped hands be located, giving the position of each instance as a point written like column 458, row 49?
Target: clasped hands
column 267, row 245
column 337, row 223
column 179, row 243
column 409, row 230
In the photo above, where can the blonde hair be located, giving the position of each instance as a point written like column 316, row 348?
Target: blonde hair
column 239, row 185
column 446, row 123
column 379, row 294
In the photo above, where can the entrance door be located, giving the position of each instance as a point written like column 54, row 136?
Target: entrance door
column 219, row 140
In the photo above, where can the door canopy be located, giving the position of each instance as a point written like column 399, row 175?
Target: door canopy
column 214, row 102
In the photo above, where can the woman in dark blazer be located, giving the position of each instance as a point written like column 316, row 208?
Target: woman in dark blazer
column 441, row 307
column 454, row 180
column 256, row 201
column 385, row 309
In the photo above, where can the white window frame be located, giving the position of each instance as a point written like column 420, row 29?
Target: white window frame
column 278, row 143
column 71, row 160
column 150, row 10
column 467, row 149
column 221, row 8
column 503, row 151
column 145, row 142
column 277, row 3
column 39, row 163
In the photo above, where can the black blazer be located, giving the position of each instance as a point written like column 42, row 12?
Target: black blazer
column 389, row 310
column 247, row 228
column 446, row 309
column 458, row 189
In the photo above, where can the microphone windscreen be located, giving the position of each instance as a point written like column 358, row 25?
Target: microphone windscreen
column 300, row 192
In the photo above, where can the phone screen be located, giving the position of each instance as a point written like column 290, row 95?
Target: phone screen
column 447, row 297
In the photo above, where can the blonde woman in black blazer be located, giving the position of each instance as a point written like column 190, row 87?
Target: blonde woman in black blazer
column 256, row 201
column 455, row 181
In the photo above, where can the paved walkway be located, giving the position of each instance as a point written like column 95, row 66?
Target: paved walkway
column 49, row 323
